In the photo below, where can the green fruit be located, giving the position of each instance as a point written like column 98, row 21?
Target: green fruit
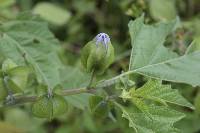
column 98, row 106
column 8, row 64
column 98, row 54
column 49, row 107
column 18, row 78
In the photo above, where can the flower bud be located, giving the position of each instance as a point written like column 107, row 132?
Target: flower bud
column 98, row 54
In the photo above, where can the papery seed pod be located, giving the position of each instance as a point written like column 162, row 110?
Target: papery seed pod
column 98, row 54
column 49, row 107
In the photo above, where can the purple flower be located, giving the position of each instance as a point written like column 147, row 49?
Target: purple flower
column 102, row 38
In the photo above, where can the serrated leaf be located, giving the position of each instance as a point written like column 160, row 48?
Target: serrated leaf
column 150, row 58
column 151, row 118
column 142, row 106
column 162, row 119
column 154, row 90
column 31, row 41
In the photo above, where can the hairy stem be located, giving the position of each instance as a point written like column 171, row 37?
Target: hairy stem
column 26, row 99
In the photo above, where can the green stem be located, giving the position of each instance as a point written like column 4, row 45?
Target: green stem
column 26, row 99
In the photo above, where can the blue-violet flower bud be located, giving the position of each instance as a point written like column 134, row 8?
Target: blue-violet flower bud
column 98, row 54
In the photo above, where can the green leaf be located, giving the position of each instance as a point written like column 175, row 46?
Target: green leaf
column 162, row 119
column 194, row 46
column 189, row 124
column 150, row 58
column 147, row 43
column 74, row 78
column 162, row 9
column 52, row 13
column 154, row 90
column 30, row 41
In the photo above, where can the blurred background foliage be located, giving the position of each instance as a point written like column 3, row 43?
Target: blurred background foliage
column 74, row 23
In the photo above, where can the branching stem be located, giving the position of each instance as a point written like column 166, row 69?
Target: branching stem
column 26, row 99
